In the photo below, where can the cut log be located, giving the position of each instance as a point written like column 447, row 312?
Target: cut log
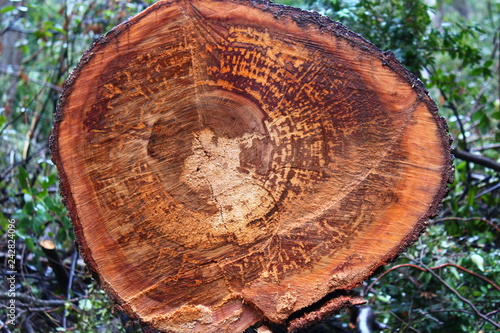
column 230, row 162
column 49, row 249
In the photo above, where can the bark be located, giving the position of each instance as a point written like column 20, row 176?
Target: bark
column 230, row 162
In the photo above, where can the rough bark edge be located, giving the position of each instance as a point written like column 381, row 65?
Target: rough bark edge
column 329, row 308
column 304, row 19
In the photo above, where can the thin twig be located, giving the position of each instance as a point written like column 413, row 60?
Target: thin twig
column 423, row 267
column 470, row 272
column 33, row 301
column 28, row 328
column 485, row 85
column 454, row 108
column 485, row 147
column 31, row 132
column 42, row 309
column 452, row 310
column 433, row 268
column 4, row 328
column 492, row 312
column 404, row 322
column 488, row 190
column 469, row 219
column 45, row 84
column 3, row 175
column 370, row 286
column 70, row 284
column 460, row 297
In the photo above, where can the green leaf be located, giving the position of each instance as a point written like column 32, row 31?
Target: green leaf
column 454, row 272
column 384, row 298
column 7, row 9
column 50, row 204
column 23, row 178
column 85, row 304
column 478, row 261
column 30, row 244
column 3, row 120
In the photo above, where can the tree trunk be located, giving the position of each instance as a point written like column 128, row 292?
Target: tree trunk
column 229, row 162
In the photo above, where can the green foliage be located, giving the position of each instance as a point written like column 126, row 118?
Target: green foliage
column 95, row 309
column 452, row 46
column 426, row 299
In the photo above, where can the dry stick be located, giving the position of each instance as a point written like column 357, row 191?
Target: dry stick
column 70, row 284
column 42, row 309
column 4, row 328
column 31, row 132
column 39, row 109
column 33, row 300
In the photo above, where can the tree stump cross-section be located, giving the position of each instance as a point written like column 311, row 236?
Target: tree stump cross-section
column 227, row 162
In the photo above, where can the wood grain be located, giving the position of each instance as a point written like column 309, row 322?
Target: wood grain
column 225, row 162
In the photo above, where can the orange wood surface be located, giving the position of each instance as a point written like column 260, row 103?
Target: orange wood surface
column 225, row 162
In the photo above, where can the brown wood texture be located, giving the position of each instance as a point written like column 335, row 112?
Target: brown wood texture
column 226, row 162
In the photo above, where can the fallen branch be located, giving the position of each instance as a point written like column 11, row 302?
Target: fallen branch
column 478, row 159
column 33, row 301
